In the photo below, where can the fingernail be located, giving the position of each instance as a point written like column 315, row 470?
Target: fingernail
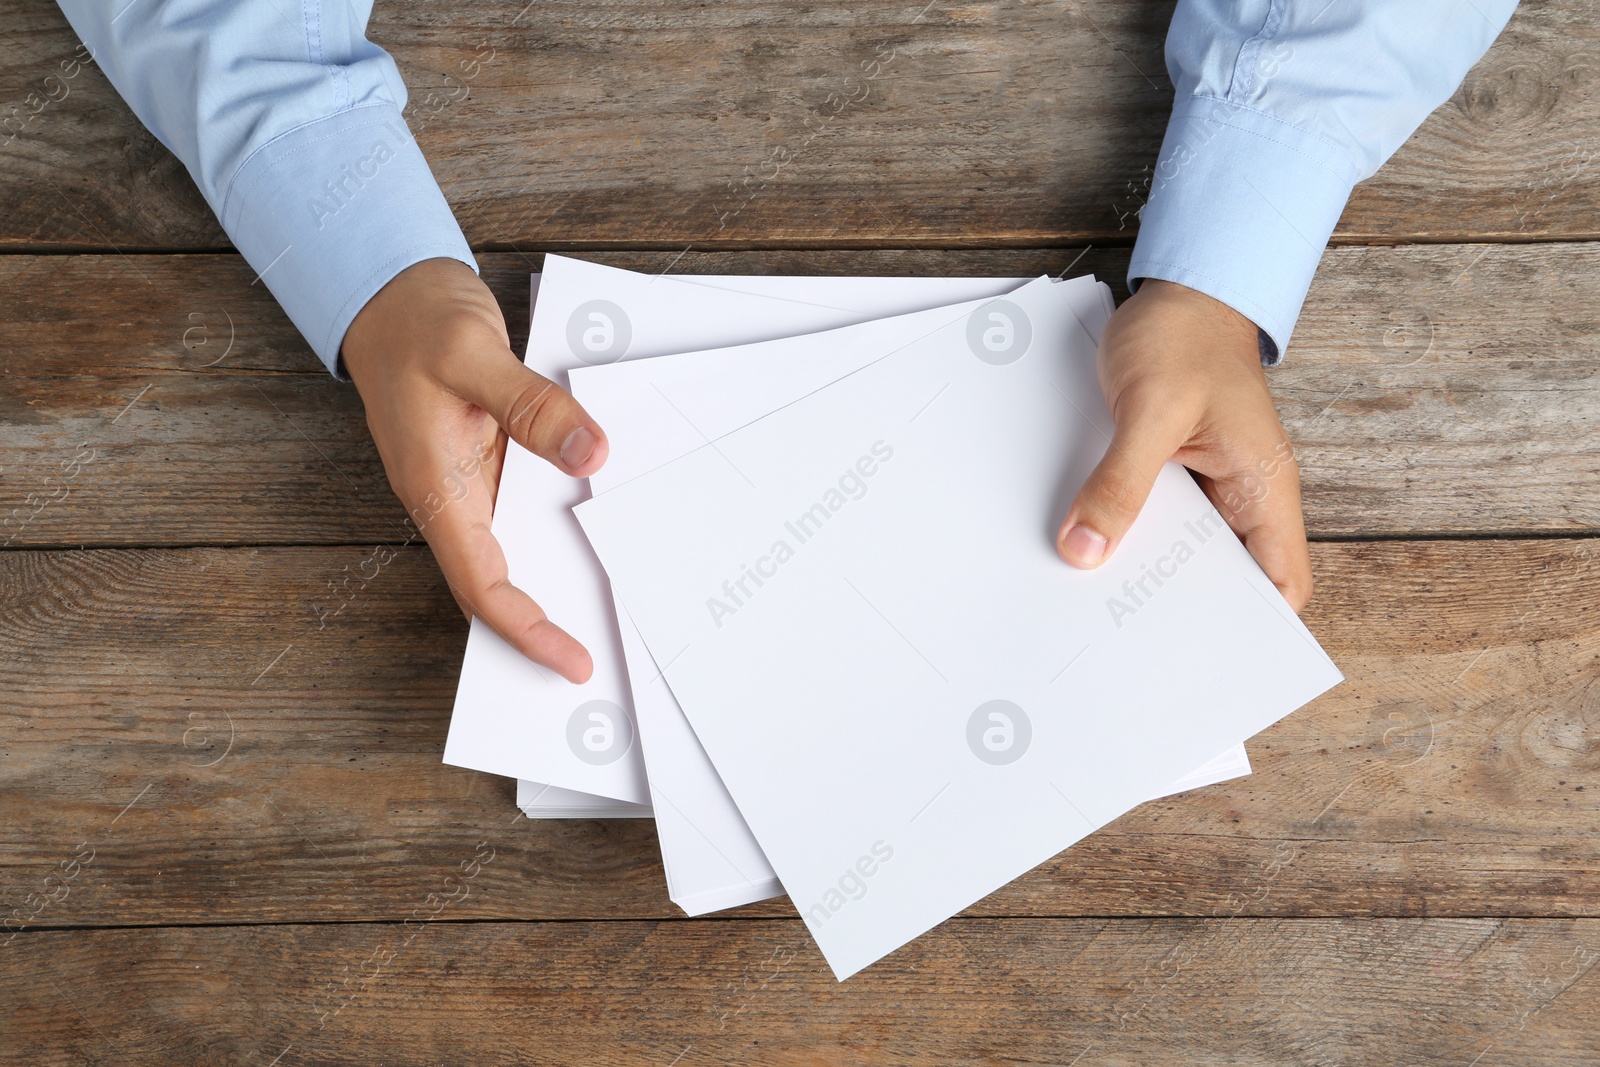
column 577, row 448
column 1084, row 545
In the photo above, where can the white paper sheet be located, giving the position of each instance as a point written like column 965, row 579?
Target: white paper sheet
column 847, row 689
column 539, row 801
column 710, row 858
column 513, row 717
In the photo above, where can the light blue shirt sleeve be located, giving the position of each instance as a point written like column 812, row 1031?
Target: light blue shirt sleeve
column 1281, row 107
column 289, row 121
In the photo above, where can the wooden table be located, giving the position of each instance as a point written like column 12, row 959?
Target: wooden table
column 216, row 817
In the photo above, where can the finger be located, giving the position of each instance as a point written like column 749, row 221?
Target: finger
column 1145, row 438
column 537, row 413
column 475, row 568
column 466, row 609
column 1262, row 504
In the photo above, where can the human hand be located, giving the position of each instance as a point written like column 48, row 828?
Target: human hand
column 1182, row 375
column 433, row 363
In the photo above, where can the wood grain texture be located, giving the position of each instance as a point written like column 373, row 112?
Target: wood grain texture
column 180, row 714
column 139, row 317
column 649, row 123
column 225, row 833
column 1429, row 390
column 1094, row 993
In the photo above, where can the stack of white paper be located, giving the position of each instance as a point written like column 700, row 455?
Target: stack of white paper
column 835, row 551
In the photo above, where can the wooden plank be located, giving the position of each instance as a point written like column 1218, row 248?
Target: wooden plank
column 197, row 719
column 1089, row 992
column 1434, row 388
column 648, row 123
column 235, row 434
column 139, row 317
column 1430, row 389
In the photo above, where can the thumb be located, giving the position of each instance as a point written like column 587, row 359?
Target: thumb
column 1117, row 488
column 540, row 416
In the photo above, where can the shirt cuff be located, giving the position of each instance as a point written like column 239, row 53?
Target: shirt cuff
column 1241, row 206
column 329, row 212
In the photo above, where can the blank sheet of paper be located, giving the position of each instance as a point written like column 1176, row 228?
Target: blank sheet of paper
column 511, row 716
column 710, row 858
column 857, row 602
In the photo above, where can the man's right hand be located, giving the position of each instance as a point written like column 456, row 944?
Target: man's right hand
column 1182, row 375
column 443, row 391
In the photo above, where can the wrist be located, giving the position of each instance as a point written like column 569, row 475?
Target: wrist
column 424, row 312
column 1221, row 319
column 1224, row 317
column 1224, row 326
